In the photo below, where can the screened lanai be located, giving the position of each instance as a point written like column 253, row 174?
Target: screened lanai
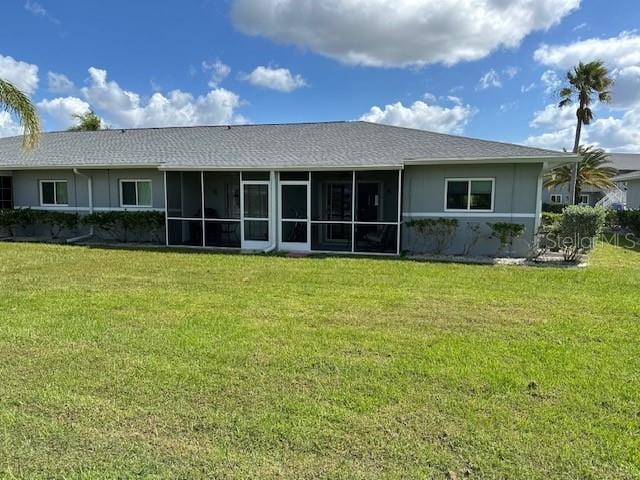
column 323, row 211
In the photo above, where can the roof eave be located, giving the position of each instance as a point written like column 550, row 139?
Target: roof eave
column 471, row 160
column 80, row 166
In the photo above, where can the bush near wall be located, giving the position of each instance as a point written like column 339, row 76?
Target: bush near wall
column 25, row 220
column 437, row 232
column 506, row 233
column 115, row 226
column 127, row 226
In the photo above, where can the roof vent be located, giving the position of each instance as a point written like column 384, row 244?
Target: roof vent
column 228, row 127
column 122, row 131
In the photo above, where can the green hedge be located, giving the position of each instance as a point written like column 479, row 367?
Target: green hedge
column 21, row 218
column 627, row 219
column 127, row 226
column 123, row 226
column 550, row 218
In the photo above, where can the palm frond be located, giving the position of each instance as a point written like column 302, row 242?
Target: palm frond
column 564, row 102
column 18, row 104
column 594, row 170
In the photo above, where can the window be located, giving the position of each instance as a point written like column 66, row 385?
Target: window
column 53, row 193
column 469, row 194
column 556, row 198
column 5, row 192
column 135, row 193
column 584, row 199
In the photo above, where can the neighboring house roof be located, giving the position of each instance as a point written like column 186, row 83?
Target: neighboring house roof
column 627, row 176
column 309, row 145
column 625, row 162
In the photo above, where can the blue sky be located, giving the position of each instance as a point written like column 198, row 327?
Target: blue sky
column 485, row 69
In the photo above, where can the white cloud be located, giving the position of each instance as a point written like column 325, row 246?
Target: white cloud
column 23, row 75
column 489, row 80
column 35, row 8
column 8, row 125
column 579, row 27
column 620, row 51
column 527, row 88
column 620, row 134
column 554, row 116
column 279, row 79
column 550, row 82
column 507, row 107
column 511, row 72
column 63, row 109
column 219, row 71
column 423, row 116
column 626, row 89
column 38, row 10
column 399, row 32
column 59, row 83
column 621, row 54
column 177, row 108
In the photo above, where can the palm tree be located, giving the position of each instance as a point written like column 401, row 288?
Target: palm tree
column 17, row 103
column 592, row 171
column 584, row 82
column 87, row 122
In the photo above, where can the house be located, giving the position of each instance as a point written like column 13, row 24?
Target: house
column 623, row 162
column 630, row 182
column 328, row 187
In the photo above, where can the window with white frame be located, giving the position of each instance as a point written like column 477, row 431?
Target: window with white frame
column 469, row 194
column 54, row 193
column 584, row 199
column 135, row 193
column 556, row 198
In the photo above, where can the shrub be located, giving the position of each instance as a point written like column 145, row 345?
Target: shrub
column 506, row 233
column 58, row 221
column 553, row 207
column 550, row 218
column 630, row 220
column 613, row 219
column 440, row 231
column 579, row 226
column 122, row 225
column 12, row 219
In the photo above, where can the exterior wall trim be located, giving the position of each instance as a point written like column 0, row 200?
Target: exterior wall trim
column 66, row 208
column 468, row 214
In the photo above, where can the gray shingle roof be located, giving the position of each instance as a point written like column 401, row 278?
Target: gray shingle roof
column 625, row 162
column 313, row 145
column 627, row 176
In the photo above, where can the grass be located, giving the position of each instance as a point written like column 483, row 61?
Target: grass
column 122, row 364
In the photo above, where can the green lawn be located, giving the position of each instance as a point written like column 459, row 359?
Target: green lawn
column 119, row 363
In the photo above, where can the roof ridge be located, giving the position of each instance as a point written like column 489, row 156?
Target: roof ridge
column 176, row 127
column 475, row 139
